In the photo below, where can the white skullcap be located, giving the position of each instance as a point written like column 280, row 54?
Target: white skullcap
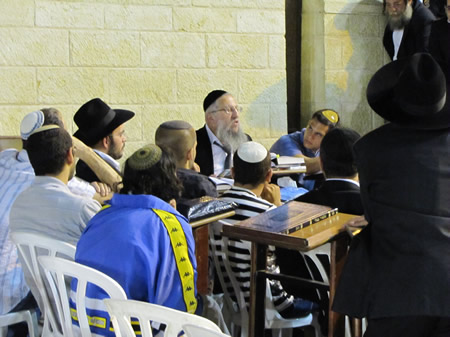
column 34, row 120
column 252, row 152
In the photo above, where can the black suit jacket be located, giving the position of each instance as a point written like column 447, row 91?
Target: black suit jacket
column 439, row 44
column 399, row 264
column 415, row 35
column 84, row 172
column 204, row 157
column 336, row 193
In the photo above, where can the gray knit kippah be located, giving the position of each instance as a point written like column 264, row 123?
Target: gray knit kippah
column 145, row 157
column 31, row 122
column 176, row 125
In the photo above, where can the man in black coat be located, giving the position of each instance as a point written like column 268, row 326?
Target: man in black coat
column 221, row 135
column 408, row 28
column 398, row 269
column 439, row 43
column 341, row 187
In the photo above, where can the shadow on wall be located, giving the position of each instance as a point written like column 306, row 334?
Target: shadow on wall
column 360, row 31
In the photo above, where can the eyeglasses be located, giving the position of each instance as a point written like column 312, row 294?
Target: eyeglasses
column 229, row 109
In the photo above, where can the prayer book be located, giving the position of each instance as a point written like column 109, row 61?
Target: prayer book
column 288, row 218
column 290, row 161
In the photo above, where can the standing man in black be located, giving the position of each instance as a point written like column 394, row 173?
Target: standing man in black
column 439, row 42
column 221, row 135
column 408, row 28
column 398, row 269
column 101, row 128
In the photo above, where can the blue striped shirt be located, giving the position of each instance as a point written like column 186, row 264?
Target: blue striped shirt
column 16, row 174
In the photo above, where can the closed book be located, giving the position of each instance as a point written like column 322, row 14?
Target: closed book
column 290, row 161
column 288, row 218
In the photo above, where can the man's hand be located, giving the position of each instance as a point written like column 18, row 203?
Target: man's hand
column 271, row 193
column 101, row 188
column 355, row 225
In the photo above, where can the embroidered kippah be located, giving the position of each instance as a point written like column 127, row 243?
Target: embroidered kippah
column 211, row 98
column 45, row 128
column 331, row 115
column 252, row 152
column 31, row 122
column 145, row 157
column 176, row 125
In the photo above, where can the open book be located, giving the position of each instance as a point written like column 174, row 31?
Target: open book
column 288, row 218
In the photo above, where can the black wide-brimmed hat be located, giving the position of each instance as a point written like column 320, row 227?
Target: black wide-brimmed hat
column 95, row 120
column 411, row 92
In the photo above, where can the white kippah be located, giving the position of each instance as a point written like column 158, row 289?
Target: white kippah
column 252, row 152
column 34, row 120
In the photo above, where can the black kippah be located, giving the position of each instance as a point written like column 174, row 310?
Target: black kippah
column 212, row 97
column 176, row 125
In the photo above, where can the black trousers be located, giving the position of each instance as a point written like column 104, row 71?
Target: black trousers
column 409, row 326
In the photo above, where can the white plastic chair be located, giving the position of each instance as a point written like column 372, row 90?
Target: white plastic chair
column 11, row 318
column 192, row 330
column 57, row 271
column 273, row 320
column 149, row 314
column 31, row 246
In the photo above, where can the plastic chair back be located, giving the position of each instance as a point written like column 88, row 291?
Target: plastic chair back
column 11, row 318
column 192, row 330
column 31, row 246
column 57, row 271
column 149, row 314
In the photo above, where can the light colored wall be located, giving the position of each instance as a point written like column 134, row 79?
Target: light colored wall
column 158, row 58
column 341, row 50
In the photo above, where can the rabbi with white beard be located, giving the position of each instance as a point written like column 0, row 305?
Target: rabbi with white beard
column 221, row 135
column 408, row 28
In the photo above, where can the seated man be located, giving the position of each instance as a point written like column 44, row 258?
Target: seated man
column 341, row 187
column 50, row 208
column 140, row 234
column 221, row 135
column 180, row 139
column 103, row 129
column 254, row 195
column 306, row 143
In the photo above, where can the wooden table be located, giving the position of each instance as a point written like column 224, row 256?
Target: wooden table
column 201, row 237
column 305, row 239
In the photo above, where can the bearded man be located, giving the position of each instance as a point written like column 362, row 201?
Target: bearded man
column 408, row 29
column 221, row 135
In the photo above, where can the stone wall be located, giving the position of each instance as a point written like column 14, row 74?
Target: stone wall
column 158, row 58
column 341, row 49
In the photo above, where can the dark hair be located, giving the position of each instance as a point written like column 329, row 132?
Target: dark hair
column 159, row 180
column 48, row 149
column 319, row 115
column 51, row 116
column 250, row 173
column 336, row 153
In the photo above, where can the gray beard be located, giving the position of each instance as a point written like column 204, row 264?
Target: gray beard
column 230, row 138
column 400, row 22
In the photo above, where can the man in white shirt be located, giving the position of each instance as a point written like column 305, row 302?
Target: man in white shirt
column 408, row 28
column 103, row 129
column 221, row 135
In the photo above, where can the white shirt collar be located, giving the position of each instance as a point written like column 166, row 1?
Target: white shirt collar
column 110, row 160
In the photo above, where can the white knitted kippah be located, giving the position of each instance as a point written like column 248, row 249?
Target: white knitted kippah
column 252, row 152
column 34, row 120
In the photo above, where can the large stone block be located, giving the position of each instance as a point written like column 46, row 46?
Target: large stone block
column 138, row 18
column 33, row 47
column 71, row 15
column 11, row 117
column 136, row 86
column 71, row 85
column 262, row 86
column 17, row 13
column 97, row 48
column 270, row 4
column 255, row 120
column 194, row 85
column 173, row 50
column 208, row 20
column 17, row 86
column 277, row 52
column 237, row 51
column 258, row 21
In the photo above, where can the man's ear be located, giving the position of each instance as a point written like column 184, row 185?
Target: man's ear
column 269, row 175
column 70, row 158
column 190, row 155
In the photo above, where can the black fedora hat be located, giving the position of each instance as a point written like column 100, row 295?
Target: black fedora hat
column 95, row 120
column 411, row 92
